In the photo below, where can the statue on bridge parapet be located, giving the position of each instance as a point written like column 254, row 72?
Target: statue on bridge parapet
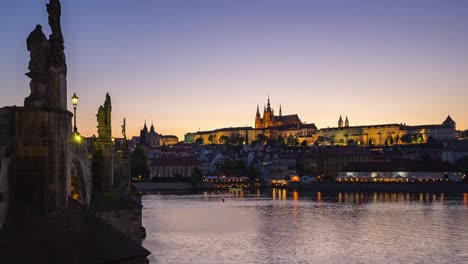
column 38, row 46
column 104, row 120
column 47, row 66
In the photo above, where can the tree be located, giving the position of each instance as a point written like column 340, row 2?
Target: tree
column 236, row 139
column 232, row 167
column 212, row 138
column 225, row 140
column 199, row 141
column 262, row 138
column 197, row 175
column 281, row 140
column 419, row 138
column 406, row 138
column 138, row 164
column 397, row 139
column 252, row 171
column 304, row 143
column 320, row 139
column 463, row 164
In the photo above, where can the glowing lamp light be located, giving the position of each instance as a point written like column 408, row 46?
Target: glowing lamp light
column 74, row 99
column 77, row 137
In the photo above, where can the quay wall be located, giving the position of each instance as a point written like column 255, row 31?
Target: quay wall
column 386, row 187
column 156, row 186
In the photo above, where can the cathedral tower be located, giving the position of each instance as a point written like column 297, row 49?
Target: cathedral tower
column 268, row 116
column 346, row 122
column 340, row 122
column 258, row 119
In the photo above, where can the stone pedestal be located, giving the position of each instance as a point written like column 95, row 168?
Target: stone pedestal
column 103, row 173
column 121, row 172
column 39, row 84
column 7, row 158
column 43, row 158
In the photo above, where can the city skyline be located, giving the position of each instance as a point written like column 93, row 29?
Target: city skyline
column 204, row 65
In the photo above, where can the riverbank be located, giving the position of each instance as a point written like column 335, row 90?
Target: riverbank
column 163, row 186
column 386, row 187
column 445, row 187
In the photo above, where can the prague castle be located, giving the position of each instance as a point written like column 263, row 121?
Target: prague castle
column 270, row 120
column 269, row 127
column 289, row 128
column 384, row 134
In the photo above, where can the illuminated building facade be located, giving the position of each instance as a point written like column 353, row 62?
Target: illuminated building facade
column 384, row 134
column 269, row 120
column 399, row 170
column 268, row 127
column 289, row 128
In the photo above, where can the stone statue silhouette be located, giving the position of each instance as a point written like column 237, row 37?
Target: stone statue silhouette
column 124, row 128
column 57, row 55
column 102, row 122
column 104, row 119
column 38, row 46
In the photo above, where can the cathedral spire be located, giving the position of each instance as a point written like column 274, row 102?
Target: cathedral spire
column 268, row 104
column 280, row 112
column 258, row 112
column 346, row 122
column 340, row 122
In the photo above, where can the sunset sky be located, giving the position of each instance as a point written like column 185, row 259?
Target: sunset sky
column 206, row 64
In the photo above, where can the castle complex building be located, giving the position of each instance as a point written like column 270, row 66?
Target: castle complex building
column 269, row 119
column 385, row 134
column 269, row 126
column 284, row 127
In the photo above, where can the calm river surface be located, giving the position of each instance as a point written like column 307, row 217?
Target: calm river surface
column 290, row 227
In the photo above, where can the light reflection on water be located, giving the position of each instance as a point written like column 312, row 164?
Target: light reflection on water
column 291, row 227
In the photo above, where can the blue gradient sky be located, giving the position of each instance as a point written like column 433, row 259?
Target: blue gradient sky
column 208, row 63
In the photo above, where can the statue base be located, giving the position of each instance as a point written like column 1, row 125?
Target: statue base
column 39, row 90
column 42, row 157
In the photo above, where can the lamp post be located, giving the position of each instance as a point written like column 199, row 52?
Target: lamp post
column 74, row 100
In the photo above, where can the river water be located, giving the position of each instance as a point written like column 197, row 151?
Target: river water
column 290, row 227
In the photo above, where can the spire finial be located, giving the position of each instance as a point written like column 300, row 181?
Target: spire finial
column 280, row 112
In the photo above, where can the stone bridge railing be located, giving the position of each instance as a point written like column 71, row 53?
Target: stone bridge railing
column 80, row 162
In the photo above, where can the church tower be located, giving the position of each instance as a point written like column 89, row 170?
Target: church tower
column 346, row 122
column 340, row 122
column 449, row 122
column 268, row 115
column 143, row 135
column 258, row 119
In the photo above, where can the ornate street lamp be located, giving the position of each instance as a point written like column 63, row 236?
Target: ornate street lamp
column 74, row 100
